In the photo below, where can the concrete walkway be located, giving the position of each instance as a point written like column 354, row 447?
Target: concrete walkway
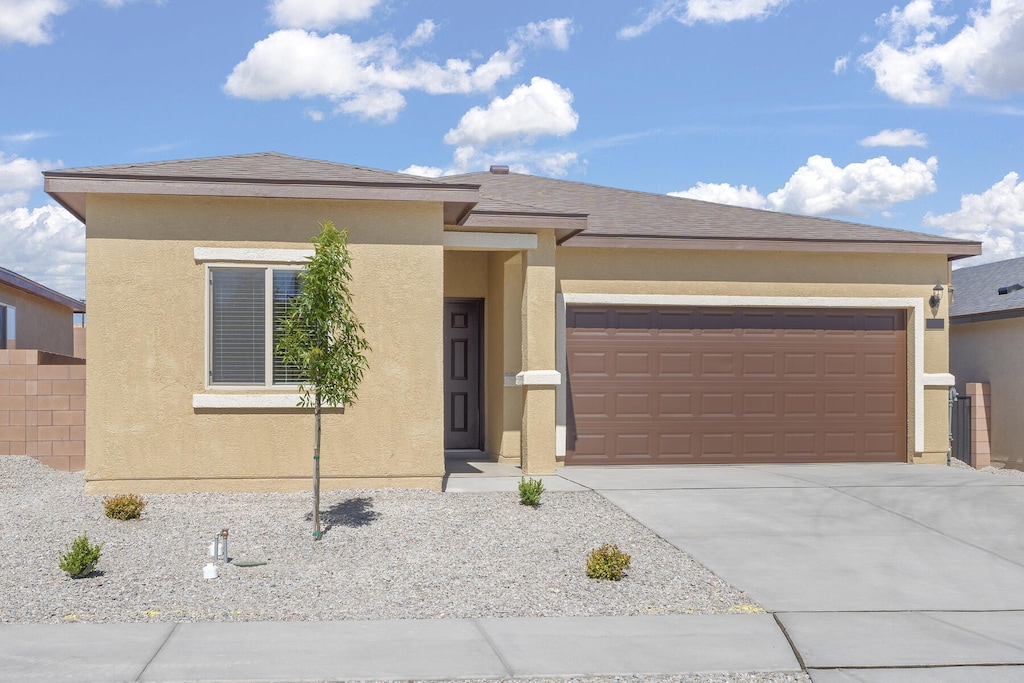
column 874, row 573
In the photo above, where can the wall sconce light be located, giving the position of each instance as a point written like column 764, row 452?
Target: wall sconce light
column 936, row 296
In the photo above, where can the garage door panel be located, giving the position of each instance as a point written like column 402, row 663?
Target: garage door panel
column 673, row 364
column 760, row 444
column 725, row 385
column 633, row 405
column 717, row 363
column 883, row 405
column 583, row 364
column 839, row 405
column 674, row 405
column 881, row 364
column 632, row 363
column 717, row 405
column 759, row 405
column 840, row 364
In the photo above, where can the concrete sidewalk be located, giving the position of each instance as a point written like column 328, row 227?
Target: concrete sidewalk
column 396, row 650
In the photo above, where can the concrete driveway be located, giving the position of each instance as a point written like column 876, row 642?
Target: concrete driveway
column 868, row 568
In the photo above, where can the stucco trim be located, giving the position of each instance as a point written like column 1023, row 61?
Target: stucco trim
column 240, row 255
column 529, row 378
column 208, row 401
column 489, row 241
column 915, row 305
column 939, row 379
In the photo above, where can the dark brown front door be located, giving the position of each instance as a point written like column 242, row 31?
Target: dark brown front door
column 723, row 385
column 462, row 361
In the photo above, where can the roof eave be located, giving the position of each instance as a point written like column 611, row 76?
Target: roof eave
column 952, row 250
column 70, row 190
column 986, row 316
column 565, row 225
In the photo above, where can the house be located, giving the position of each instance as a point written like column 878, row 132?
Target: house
column 42, row 377
column 541, row 322
column 36, row 317
column 985, row 337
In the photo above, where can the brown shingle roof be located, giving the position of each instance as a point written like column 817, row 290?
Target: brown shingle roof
column 263, row 167
column 627, row 213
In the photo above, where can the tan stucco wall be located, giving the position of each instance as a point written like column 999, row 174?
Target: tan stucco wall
column 148, row 338
column 782, row 274
column 990, row 352
column 39, row 324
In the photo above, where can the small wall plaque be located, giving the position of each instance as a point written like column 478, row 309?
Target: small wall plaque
column 935, row 324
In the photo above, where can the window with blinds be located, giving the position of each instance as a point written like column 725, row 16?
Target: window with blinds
column 244, row 304
column 286, row 286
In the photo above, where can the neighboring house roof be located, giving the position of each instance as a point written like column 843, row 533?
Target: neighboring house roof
column 976, row 291
column 581, row 214
column 12, row 279
column 626, row 215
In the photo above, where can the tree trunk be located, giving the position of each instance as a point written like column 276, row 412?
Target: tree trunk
column 316, row 469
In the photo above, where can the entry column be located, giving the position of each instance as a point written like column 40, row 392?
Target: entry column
column 539, row 377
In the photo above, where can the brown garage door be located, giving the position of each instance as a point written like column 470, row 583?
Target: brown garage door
column 705, row 385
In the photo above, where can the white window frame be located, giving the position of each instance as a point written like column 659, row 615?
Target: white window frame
column 268, row 327
column 267, row 395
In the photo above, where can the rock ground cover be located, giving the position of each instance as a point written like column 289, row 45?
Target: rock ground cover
column 386, row 554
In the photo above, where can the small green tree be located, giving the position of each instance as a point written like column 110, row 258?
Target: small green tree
column 320, row 337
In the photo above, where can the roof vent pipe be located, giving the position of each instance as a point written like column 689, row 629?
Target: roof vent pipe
column 499, row 170
column 1011, row 288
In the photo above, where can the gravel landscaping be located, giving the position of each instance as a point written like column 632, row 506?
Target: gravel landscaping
column 386, row 554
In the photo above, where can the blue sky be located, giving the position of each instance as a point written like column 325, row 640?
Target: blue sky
column 907, row 115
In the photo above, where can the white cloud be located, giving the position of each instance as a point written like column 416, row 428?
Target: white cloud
column 46, row 244
column 24, row 137
column 28, row 21
column 313, row 114
column 550, row 33
column 468, row 159
column 724, row 193
column 690, row 12
column 367, row 78
column 995, row 218
column 820, row 188
column 424, row 171
column 900, row 137
column 985, row 58
column 18, row 176
column 540, row 108
column 840, row 64
column 422, row 35
column 319, row 14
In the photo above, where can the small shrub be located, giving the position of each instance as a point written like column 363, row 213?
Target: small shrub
column 80, row 558
column 127, row 506
column 529, row 491
column 607, row 563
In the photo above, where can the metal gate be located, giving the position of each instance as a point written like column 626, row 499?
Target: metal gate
column 960, row 428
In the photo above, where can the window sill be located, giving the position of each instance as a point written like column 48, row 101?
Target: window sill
column 235, row 401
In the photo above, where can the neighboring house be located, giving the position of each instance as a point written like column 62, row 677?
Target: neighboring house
column 538, row 321
column 986, row 344
column 36, row 317
column 42, row 386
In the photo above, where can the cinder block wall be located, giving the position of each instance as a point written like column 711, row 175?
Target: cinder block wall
column 42, row 407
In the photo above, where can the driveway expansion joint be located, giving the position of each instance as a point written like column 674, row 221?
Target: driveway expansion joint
column 792, row 645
